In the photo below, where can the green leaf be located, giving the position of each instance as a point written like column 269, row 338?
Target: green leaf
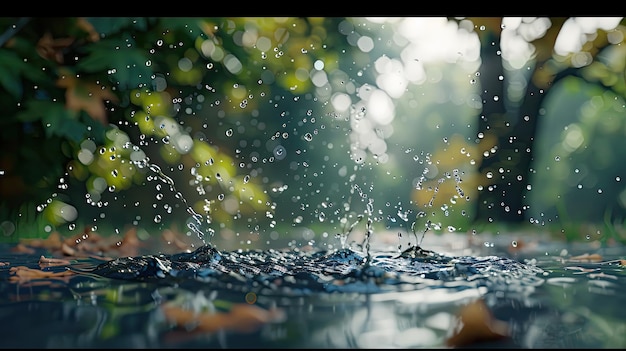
column 56, row 119
column 62, row 122
column 126, row 62
column 95, row 128
column 111, row 25
column 10, row 67
column 70, row 128
column 35, row 110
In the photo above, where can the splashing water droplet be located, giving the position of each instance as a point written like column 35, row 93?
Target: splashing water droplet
column 280, row 152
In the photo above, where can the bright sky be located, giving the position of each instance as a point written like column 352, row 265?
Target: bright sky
column 435, row 39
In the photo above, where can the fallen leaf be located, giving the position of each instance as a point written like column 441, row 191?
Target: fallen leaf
column 475, row 323
column 23, row 274
column 52, row 242
column 53, row 261
column 21, row 248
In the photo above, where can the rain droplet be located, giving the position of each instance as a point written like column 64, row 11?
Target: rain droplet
column 280, row 152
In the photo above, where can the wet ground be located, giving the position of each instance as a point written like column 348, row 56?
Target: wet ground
column 459, row 293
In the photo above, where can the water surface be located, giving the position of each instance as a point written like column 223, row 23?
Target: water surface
column 294, row 298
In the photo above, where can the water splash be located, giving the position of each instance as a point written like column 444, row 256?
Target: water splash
column 296, row 272
column 197, row 223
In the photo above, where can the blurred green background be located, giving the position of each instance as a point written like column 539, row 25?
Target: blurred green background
column 298, row 127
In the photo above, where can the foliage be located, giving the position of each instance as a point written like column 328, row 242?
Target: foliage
column 79, row 93
column 170, row 116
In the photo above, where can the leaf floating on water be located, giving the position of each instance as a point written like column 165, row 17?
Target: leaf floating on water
column 476, row 324
column 53, row 261
column 23, row 274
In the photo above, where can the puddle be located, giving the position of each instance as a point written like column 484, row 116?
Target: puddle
column 300, row 299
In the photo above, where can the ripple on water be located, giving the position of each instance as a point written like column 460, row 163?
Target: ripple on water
column 298, row 272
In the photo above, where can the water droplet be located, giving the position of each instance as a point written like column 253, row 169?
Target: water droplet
column 280, row 152
column 321, row 216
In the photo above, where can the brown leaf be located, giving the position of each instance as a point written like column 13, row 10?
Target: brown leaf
column 23, row 274
column 171, row 237
column 21, row 248
column 84, row 24
column 85, row 96
column 241, row 317
column 476, row 323
column 129, row 245
column 52, row 48
column 67, row 250
column 53, row 261
column 52, row 242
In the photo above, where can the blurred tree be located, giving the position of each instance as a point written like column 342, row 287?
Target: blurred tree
column 507, row 128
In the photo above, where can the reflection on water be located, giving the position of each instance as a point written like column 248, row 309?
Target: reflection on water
column 331, row 299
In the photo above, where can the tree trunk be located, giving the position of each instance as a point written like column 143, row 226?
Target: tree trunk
column 499, row 198
column 506, row 138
